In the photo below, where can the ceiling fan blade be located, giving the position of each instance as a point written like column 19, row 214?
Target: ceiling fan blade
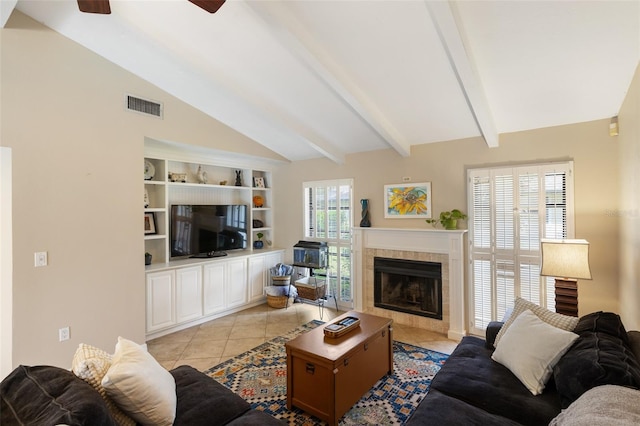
column 95, row 6
column 210, row 6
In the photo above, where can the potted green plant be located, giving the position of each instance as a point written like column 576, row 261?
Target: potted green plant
column 448, row 219
column 259, row 243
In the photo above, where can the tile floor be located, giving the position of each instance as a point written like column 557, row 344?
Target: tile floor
column 216, row 341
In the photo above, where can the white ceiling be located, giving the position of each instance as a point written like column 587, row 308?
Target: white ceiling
column 329, row 78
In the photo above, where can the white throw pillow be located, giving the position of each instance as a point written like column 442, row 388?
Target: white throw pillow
column 140, row 386
column 91, row 364
column 555, row 319
column 531, row 348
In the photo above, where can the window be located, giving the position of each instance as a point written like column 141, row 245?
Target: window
column 328, row 207
column 511, row 209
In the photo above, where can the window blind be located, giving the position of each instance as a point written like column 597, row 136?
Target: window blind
column 511, row 210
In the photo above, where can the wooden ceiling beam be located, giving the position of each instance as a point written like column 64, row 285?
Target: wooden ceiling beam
column 451, row 32
column 293, row 36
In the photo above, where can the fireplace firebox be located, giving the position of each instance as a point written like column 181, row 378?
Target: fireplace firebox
column 409, row 286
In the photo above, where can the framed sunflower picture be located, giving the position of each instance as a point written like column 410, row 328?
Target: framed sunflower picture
column 407, row 201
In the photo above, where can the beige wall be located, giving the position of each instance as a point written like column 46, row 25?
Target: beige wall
column 444, row 165
column 77, row 189
column 629, row 152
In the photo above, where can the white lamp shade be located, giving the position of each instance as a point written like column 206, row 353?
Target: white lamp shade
column 565, row 259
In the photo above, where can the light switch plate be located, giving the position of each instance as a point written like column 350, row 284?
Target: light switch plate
column 40, row 258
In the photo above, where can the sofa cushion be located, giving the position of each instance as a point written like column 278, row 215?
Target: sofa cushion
column 599, row 356
column 203, row 401
column 606, row 405
column 46, row 395
column 531, row 348
column 140, row 386
column 453, row 412
column 563, row 322
column 471, row 376
column 634, row 343
column 603, row 322
column 91, row 364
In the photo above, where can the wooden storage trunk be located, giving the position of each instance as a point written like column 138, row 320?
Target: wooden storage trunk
column 326, row 377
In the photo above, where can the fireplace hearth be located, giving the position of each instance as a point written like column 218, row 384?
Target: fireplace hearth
column 408, row 286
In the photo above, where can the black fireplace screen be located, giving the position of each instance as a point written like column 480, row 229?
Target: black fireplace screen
column 409, row 286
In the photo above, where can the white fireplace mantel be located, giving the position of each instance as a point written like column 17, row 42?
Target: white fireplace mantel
column 449, row 242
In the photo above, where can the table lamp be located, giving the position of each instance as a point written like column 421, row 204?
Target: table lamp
column 567, row 261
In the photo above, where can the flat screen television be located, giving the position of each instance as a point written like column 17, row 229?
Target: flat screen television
column 198, row 230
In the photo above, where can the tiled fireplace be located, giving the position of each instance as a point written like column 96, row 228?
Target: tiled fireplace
column 424, row 246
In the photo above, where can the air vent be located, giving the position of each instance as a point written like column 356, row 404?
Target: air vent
column 143, row 106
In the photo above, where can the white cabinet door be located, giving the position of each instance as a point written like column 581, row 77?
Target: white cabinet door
column 188, row 293
column 214, row 277
column 160, row 300
column 236, row 283
column 256, row 275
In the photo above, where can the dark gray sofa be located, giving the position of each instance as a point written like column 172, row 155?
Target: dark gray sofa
column 47, row 395
column 472, row 389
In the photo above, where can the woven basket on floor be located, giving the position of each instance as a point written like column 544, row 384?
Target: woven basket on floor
column 277, row 302
column 280, row 279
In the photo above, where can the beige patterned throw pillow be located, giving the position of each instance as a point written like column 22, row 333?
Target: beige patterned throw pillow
column 555, row 319
column 91, row 364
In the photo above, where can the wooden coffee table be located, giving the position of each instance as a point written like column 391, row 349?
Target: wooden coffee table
column 327, row 376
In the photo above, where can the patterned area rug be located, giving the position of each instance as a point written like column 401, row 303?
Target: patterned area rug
column 260, row 377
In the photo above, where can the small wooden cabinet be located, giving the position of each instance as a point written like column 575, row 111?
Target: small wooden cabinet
column 213, row 282
column 235, row 288
column 160, row 300
column 256, row 273
column 188, row 293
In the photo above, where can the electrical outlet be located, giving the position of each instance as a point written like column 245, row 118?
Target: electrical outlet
column 40, row 258
column 406, row 178
column 63, row 334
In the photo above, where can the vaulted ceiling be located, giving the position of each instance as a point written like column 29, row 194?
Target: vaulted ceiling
column 318, row 78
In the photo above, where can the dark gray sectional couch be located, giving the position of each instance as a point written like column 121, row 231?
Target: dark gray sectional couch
column 472, row 389
column 46, row 395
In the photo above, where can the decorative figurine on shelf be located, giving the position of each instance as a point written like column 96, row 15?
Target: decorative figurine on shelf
column 365, row 222
column 258, row 201
column 202, row 175
column 238, row 177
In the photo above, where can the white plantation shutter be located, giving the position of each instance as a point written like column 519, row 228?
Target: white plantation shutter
column 511, row 209
column 328, row 217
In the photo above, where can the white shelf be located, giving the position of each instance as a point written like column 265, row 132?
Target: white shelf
column 154, row 237
column 208, row 185
column 154, row 182
column 155, row 210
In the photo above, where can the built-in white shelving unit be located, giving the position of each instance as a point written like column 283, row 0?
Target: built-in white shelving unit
column 184, row 292
column 178, row 182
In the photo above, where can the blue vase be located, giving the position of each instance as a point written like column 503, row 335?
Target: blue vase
column 258, row 244
column 365, row 222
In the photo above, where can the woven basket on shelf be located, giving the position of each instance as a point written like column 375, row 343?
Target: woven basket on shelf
column 311, row 292
column 277, row 302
